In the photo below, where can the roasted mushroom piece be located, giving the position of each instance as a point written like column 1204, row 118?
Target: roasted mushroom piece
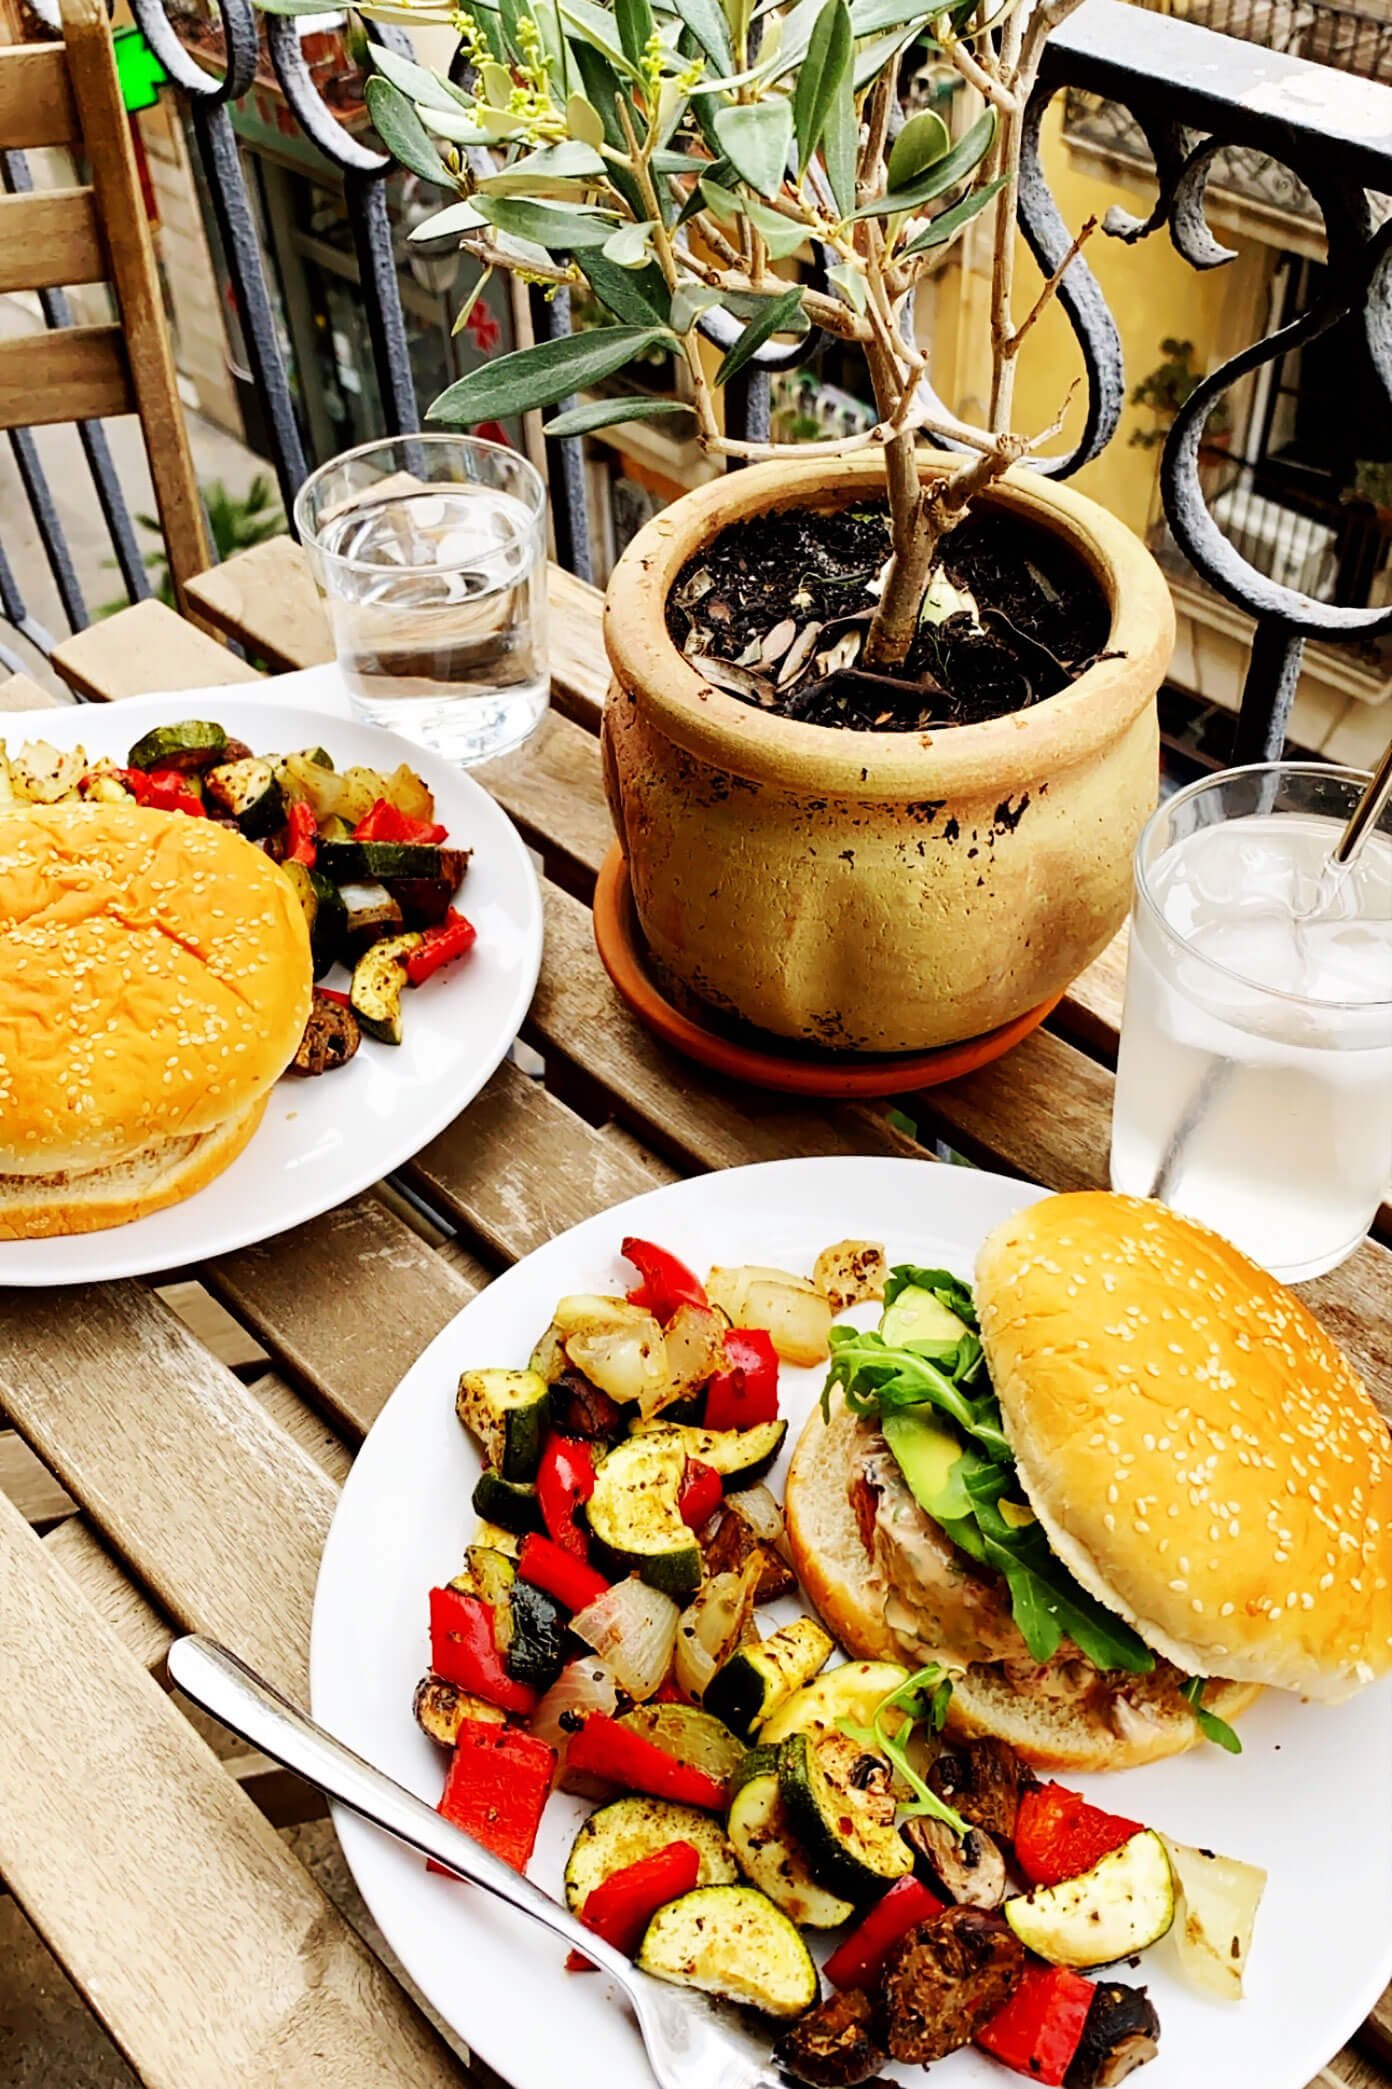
column 579, row 1408
column 836, row 2044
column 968, row 1869
column 331, row 1036
column 944, row 1980
column 983, row 1780
column 727, row 1542
column 1122, row 2032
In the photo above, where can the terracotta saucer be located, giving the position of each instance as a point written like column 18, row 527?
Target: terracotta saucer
column 753, row 1055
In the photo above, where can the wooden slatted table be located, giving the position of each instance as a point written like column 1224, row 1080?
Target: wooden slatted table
column 170, row 1452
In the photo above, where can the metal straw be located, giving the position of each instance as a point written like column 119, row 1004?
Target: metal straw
column 1363, row 819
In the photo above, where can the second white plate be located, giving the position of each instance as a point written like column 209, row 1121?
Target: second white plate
column 1307, row 1799
column 322, row 1141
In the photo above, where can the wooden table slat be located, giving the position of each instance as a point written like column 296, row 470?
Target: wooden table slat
column 346, row 1302
column 120, row 1825
column 222, row 1516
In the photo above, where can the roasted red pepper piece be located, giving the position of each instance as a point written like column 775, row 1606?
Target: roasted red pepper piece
column 1059, row 1836
column 301, row 835
column 499, row 1781
column 666, row 1283
column 619, row 1756
column 1041, row 2026
column 745, row 1393
column 331, row 993
column 164, row 790
column 857, row 1959
column 547, row 1565
column 565, row 1479
column 463, row 1650
column 386, row 822
column 700, row 1493
column 440, row 945
column 621, row 1906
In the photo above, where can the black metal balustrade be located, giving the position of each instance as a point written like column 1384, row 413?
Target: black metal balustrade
column 1193, row 91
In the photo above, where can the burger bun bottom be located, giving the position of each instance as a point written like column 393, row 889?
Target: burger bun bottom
column 42, row 1207
column 848, row 1592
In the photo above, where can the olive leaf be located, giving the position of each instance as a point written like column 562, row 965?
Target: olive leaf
column 841, row 143
column 848, row 277
column 707, row 24
column 466, row 310
column 637, row 296
column 777, row 315
column 584, row 121
column 756, row 138
column 459, row 126
column 536, row 173
column 688, row 303
column 630, row 246
column 919, row 146
column 539, row 376
column 416, row 82
column 944, row 227
column 780, row 235
column 819, row 80
column 605, row 413
column 449, row 223
column 634, row 21
column 946, row 173
column 550, row 225
column 400, row 129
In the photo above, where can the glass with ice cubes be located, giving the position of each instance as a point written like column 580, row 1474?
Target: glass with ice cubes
column 1254, row 1083
column 430, row 553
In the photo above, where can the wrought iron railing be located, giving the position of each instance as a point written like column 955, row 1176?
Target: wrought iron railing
column 1192, row 91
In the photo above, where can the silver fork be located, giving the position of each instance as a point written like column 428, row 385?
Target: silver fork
column 692, row 2043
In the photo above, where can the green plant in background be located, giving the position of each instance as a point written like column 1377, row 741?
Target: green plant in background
column 236, row 521
column 675, row 155
column 1168, row 387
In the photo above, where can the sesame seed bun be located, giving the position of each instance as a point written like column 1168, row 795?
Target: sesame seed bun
column 42, row 1207
column 154, row 984
column 1201, row 1455
column 850, row 1592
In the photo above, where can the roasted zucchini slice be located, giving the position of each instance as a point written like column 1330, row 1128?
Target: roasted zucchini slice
column 511, row 1503
column 489, row 1573
column 853, row 1690
column 842, row 1809
column 618, row 1835
column 379, row 981
column 732, row 1942
column 740, row 1456
column 1124, row 1903
column 324, row 912
column 635, row 1520
column 196, row 743
column 507, row 1411
column 441, row 1709
column 768, row 1852
column 692, row 1736
column 756, row 1679
column 379, row 859
column 248, row 792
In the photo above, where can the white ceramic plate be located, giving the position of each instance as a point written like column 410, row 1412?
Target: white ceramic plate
column 322, row 1141
column 1308, row 1798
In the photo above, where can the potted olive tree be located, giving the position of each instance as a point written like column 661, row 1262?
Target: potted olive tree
column 882, row 732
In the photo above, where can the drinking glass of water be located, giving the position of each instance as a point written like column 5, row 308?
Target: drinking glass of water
column 430, row 551
column 1254, row 1083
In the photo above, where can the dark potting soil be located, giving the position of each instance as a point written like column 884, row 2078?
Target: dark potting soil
column 776, row 610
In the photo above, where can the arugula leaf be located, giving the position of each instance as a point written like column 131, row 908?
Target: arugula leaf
column 1209, row 1724
column 948, row 1290
column 923, row 1699
column 877, row 1379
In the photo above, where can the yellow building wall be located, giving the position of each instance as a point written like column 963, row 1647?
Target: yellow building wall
column 1152, row 293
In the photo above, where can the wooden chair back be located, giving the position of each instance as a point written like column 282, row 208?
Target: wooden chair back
column 67, row 94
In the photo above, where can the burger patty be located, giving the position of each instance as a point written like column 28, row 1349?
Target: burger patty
column 942, row 1606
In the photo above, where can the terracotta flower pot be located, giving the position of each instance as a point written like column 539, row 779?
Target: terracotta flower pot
column 878, row 892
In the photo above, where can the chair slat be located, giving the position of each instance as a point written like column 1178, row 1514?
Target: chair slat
column 234, row 1970
column 110, row 1591
column 141, row 651
column 50, row 238
column 36, row 103
column 77, row 374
